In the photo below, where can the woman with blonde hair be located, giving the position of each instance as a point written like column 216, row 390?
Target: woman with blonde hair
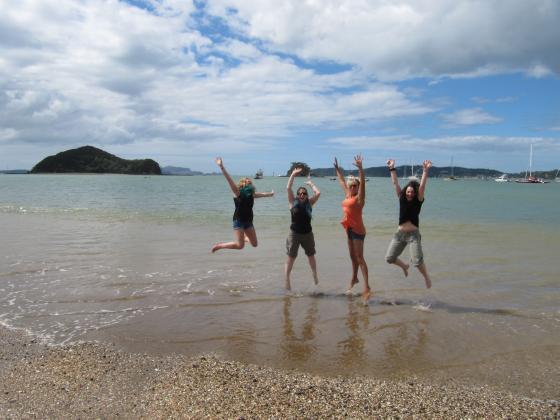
column 352, row 205
column 243, row 196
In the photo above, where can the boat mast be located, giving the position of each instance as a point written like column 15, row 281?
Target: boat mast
column 531, row 161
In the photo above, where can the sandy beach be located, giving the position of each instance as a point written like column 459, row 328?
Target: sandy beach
column 89, row 380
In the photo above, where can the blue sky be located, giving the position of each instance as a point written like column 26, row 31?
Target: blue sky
column 264, row 83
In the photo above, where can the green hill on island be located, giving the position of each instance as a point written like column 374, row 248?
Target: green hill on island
column 89, row 159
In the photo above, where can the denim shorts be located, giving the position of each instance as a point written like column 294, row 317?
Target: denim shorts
column 306, row 240
column 400, row 241
column 239, row 224
column 353, row 236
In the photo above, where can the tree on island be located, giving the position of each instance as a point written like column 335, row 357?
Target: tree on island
column 305, row 168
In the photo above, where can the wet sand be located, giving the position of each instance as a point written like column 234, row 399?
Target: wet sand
column 91, row 380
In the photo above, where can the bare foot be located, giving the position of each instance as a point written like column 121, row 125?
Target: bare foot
column 366, row 295
column 353, row 282
column 405, row 269
column 315, row 279
column 215, row 248
column 428, row 282
column 288, row 285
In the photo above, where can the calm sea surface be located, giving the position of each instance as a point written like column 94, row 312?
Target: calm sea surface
column 127, row 260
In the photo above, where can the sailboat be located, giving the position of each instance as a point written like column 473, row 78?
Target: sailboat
column 412, row 176
column 529, row 178
column 259, row 174
column 452, row 176
column 556, row 177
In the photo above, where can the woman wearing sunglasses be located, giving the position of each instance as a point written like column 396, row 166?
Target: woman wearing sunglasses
column 352, row 205
column 300, row 229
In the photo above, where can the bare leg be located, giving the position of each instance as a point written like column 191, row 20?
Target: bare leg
column 355, row 265
column 359, row 252
column 424, row 271
column 239, row 243
column 313, row 265
column 251, row 235
column 287, row 271
column 402, row 265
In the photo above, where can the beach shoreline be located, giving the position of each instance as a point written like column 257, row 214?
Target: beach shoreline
column 91, row 380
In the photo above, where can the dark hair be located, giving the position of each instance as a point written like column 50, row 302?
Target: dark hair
column 414, row 184
column 302, row 189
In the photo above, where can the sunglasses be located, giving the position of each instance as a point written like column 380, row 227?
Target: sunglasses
column 302, row 193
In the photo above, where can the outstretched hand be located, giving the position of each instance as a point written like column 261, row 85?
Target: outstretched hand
column 358, row 161
column 219, row 161
column 427, row 164
column 297, row 171
column 391, row 163
column 335, row 163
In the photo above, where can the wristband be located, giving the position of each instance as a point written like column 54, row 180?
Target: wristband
column 392, row 169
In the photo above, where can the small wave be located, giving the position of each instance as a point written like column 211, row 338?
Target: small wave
column 423, row 307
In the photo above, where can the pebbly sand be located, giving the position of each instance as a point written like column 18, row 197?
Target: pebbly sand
column 97, row 381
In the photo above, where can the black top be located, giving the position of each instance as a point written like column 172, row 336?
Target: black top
column 244, row 208
column 301, row 216
column 409, row 210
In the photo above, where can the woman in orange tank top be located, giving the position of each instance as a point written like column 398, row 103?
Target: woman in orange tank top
column 352, row 205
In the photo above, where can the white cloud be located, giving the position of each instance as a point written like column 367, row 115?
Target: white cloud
column 448, row 144
column 408, row 38
column 472, row 116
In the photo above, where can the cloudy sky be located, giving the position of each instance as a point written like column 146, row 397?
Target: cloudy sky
column 267, row 82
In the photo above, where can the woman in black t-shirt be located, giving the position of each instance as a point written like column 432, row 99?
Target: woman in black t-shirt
column 300, row 228
column 411, row 198
column 243, row 197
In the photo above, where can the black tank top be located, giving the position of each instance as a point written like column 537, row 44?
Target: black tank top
column 243, row 208
column 410, row 210
column 301, row 216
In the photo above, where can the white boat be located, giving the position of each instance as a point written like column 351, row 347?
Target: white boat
column 452, row 176
column 557, row 179
column 529, row 178
column 259, row 174
column 413, row 176
column 502, row 178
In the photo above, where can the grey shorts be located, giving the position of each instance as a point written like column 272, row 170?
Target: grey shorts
column 294, row 240
column 400, row 241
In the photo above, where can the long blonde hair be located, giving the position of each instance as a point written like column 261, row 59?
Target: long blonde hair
column 352, row 180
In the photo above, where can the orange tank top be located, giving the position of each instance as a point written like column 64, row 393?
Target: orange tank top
column 353, row 215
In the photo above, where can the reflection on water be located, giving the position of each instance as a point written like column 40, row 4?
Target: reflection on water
column 297, row 341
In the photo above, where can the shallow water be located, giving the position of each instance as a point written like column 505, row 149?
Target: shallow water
column 126, row 259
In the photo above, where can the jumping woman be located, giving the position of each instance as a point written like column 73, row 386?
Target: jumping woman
column 243, row 196
column 352, row 205
column 411, row 199
column 300, row 229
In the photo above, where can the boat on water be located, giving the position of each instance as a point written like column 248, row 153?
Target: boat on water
column 502, row 178
column 529, row 178
column 413, row 176
column 259, row 174
column 452, row 176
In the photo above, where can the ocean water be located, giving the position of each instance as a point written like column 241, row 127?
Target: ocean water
column 126, row 259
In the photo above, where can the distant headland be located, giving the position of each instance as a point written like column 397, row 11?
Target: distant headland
column 89, row 159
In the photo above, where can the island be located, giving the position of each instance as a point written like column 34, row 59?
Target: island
column 89, row 159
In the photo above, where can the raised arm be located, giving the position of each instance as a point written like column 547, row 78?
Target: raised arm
column 264, row 194
column 340, row 177
column 316, row 192
column 362, row 188
column 394, row 177
column 427, row 164
column 289, row 190
column 232, row 184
